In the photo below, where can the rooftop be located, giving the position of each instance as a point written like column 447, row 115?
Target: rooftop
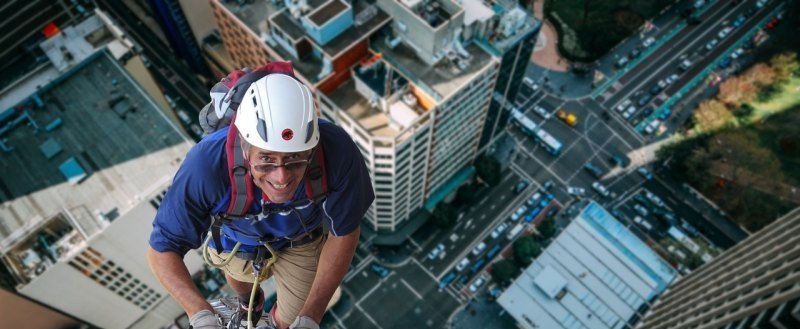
column 595, row 274
column 442, row 80
column 368, row 18
column 90, row 142
column 515, row 23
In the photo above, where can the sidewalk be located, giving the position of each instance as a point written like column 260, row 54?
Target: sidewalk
column 550, row 68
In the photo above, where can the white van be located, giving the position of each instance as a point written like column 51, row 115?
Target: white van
column 515, row 231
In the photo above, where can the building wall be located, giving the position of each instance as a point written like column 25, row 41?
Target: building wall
column 243, row 45
column 200, row 17
column 18, row 312
column 513, row 65
column 457, row 129
column 759, row 274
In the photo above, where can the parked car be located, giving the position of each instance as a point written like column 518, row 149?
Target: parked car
column 629, row 112
column 641, row 199
column 517, row 214
column 621, row 62
column 521, row 185
column 493, row 252
column 643, row 223
column 724, row 32
column 447, row 279
column 640, row 210
column 437, row 251
column 499, row 230
column 664, row 115
column 462, row 264
column 760, row 3
column 515, row 231
column 685, row 65
column 711, row 44
column 529, row 82
column 645, row 173
column 646, row 112
column 654, row 199
column 380, row 270
column 547, row 185
column 576, row 191
column 534, row 199
column 478, row 265
column 648, row 42
column 634, row 53
column 652, row 126
column 600, row 188
column 645, row 99
column 478, row 283
column 739, row 20
column 623, row 106
column 672, row 79
column 737, row 53
column 542, row 112
column 479, row 248
column 593, row 169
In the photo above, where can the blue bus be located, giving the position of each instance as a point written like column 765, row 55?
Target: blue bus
column 547, row 141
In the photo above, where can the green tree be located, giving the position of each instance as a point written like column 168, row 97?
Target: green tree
column 547, row 228
column 503, row 271
column 445, row 215
column 785, row 65
column 467, row 194
column 525, row 250
column 744, row 111
column 488, row 170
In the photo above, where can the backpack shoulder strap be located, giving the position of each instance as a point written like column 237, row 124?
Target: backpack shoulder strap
column 241, row 185
column 317, row 181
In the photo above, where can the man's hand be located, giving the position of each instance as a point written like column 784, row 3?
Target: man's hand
column 205, row 319
column 304, row 322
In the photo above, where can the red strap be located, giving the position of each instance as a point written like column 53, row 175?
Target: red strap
column 238, row 173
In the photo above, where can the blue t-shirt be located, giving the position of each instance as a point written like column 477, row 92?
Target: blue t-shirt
column 201, row 188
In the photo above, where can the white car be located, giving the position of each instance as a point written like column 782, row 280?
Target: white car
column 648, row 42
column 499, row 230
column 724, row 33
column 517, row 214
column 624, row 105
column 672, row 78
column 436, row 252
column 629, row 112
column 711, row 44
column 654, row 199
column 652, row 126
column 479, row 248
column 643, row 222
column 641, row 210
column 462, row 264
column 600, row 188
column 478, row 283
column 534, row 199
column 645, row 173
column 737, row 53
column 529, row 82
column 576, row 191
column 542, row 112
column 760, row 4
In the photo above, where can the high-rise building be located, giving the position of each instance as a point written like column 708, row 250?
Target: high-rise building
column 27, row 23
column 595, row 274
column 514, row 49
column 409, row 80
column 87, row 156
column 169, row 15
column 755, row 284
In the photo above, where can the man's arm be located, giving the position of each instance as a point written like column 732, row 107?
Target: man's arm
column 333, row 264
column 171, row 271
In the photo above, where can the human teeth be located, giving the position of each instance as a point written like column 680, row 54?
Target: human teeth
column 279, row 186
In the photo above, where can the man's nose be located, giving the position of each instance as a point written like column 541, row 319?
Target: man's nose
column 280, row 175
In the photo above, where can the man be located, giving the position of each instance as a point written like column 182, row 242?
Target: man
column 280, row 134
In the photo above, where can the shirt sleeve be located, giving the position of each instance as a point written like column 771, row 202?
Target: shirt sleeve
column 184, row 214
column 350, row 192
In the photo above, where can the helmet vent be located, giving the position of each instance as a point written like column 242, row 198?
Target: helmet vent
column 255, row 104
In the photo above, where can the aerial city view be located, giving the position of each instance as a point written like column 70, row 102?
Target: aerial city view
column 381, row 164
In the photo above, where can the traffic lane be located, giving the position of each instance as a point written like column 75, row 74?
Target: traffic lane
column 362, row 283
column 703, row 224
column 724, row 45
column 667, row 60
column 409, row 300
column 619, row 126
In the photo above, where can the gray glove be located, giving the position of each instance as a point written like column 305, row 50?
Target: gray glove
column 205, row 319
column 303, row 322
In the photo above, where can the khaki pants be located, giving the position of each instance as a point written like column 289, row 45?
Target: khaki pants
column 294, row 273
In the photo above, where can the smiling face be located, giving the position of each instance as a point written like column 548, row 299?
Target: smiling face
column 277, row 174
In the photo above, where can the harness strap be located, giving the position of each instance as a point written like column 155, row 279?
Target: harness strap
column 317, row 182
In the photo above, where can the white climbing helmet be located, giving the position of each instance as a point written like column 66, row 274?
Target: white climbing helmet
column 277, row 114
